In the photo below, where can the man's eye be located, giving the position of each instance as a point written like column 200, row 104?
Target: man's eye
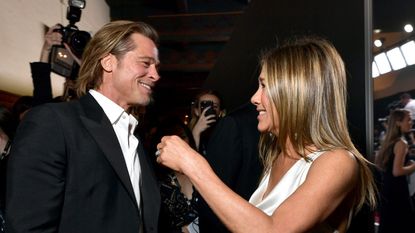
column 146, row 64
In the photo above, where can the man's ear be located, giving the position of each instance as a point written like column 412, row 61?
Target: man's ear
column 108, row 62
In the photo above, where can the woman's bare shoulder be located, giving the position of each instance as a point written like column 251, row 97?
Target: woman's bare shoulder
column 335, row 164
column 337, row 157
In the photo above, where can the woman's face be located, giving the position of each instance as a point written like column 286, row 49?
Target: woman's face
column 261, row 101
column 406, row 124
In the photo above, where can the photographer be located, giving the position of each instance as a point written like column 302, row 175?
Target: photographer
column 41, row 71
column 206, row 111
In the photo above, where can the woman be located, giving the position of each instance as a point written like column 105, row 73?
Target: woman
column 206, row 111
column 396, row 210
column 315, row 179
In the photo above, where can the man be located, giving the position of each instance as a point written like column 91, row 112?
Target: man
column 233, row 154
column 409, row 104
column 78, row 166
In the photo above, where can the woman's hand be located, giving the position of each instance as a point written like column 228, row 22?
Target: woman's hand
column 176, row 154
column 52, row 38
column 204, row 121
column 202, row 124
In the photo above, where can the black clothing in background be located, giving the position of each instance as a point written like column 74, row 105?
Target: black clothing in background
column 396, row 206
column 42, row 87
column 233, row 154
column 177, row 210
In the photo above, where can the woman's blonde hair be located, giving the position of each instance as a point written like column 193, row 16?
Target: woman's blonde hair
column 113, row 38
column 306, row 85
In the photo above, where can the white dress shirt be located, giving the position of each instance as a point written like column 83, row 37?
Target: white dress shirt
column 124, row 125
column 411, row 107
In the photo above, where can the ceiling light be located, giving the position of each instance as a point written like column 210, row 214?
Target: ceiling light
column 408, row 28
column 396, row 59
column 377, row 31
column 378, row 43
column 382, row 63
column 408, row 51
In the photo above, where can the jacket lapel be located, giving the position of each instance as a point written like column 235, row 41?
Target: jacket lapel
column 98, row 124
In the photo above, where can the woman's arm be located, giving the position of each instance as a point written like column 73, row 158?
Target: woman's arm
column 330, row 179
column 400, row 150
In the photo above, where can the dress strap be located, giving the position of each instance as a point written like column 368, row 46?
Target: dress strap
column 312, row 156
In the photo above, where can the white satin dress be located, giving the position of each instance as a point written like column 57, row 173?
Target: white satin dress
column 294, row 177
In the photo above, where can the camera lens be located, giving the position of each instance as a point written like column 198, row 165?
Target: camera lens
column 78, row 41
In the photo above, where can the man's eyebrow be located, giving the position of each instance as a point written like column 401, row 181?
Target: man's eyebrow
column 152, row 59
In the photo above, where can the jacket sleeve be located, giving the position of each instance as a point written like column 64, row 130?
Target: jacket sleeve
column 42, row 86
column 36, row 174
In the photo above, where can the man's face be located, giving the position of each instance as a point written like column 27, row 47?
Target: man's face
column 132, row 77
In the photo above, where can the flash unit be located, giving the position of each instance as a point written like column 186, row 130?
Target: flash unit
column 77, row 3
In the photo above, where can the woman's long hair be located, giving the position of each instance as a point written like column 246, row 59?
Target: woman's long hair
column 393, row 134
column 306, row 85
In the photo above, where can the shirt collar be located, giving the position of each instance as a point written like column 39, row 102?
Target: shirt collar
column 111, row 109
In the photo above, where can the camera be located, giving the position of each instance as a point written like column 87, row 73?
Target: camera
column 205, row 104
column 75, row 38
column 61, row 61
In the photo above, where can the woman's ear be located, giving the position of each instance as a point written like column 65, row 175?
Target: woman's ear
column 399, row 124
column 107, row 62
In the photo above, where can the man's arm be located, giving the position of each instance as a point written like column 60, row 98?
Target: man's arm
column 36, row 174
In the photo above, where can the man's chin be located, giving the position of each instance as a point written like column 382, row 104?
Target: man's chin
column 150, row 100
column 146, row 101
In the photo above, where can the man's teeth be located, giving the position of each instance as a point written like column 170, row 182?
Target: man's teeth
column 145, row 85
column 261, row 112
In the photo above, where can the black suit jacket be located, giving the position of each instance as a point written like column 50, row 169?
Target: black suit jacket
column 67, row 173
column 233, row 154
